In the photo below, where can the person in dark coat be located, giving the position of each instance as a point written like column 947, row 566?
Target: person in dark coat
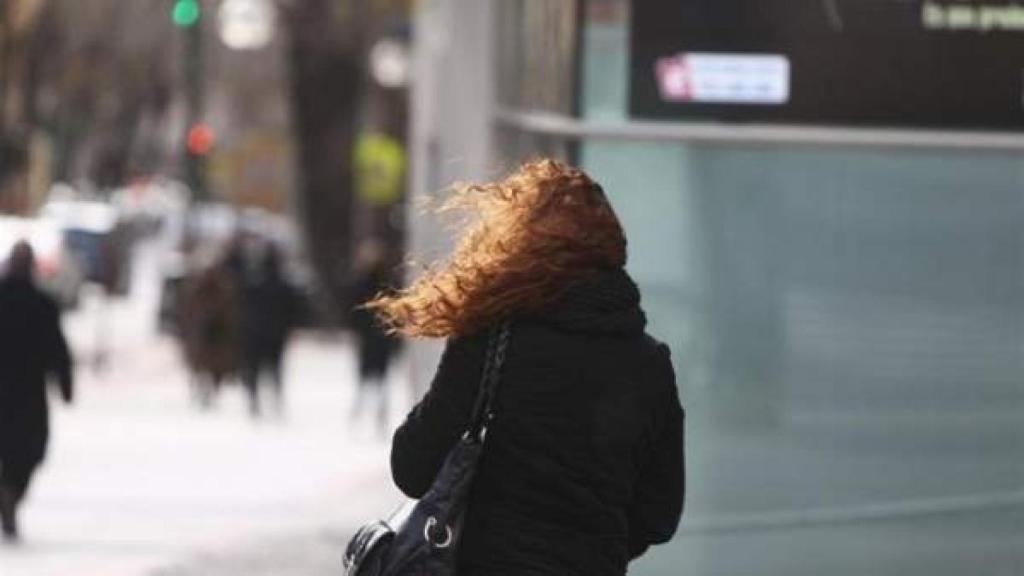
column 375, row 346
column 208, row 330
column 583, row 465
column 269, row 312
column 32, row 347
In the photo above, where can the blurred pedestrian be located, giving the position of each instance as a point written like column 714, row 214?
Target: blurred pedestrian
column 375, row 346
column 209, row 329
column 32, row 347
column 270, row 310
column 583, row 463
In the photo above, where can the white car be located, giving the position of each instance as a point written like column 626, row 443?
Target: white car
column 57, row 270
column 94, row 232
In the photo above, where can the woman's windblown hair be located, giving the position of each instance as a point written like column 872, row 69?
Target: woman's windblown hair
column 526, row 239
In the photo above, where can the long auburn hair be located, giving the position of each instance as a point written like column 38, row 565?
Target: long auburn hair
column 525, row 240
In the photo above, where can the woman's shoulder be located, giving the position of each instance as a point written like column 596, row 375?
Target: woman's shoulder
column 658, row 352
column 472, row 342
column 466, row 350
column 659, row 373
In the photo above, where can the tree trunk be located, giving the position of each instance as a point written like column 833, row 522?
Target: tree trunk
column 326, row 82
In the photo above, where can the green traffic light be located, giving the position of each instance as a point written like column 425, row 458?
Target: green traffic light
column 186, row 13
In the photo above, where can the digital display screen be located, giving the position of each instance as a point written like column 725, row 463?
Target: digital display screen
column 946, row 64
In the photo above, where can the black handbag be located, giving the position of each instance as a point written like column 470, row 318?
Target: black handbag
column 423, row 538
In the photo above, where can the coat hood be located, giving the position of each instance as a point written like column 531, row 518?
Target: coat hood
column 606, row 303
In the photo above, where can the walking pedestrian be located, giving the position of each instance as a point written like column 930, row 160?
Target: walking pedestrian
column 583, row 465
column 208, row 329
column 375, row 346
column 270, row 309
column 32, row 347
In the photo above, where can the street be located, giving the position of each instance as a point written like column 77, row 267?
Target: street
column 138, row 481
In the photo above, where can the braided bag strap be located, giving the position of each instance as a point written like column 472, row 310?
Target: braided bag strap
column 494, row 361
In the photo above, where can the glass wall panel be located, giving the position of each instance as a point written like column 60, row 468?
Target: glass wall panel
column 847, row 327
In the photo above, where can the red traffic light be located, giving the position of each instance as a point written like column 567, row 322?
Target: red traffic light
column 200, row 139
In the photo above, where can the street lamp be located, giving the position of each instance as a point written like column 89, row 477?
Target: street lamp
column 389, row 63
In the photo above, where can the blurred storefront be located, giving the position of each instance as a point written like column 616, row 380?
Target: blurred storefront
column 840, row 278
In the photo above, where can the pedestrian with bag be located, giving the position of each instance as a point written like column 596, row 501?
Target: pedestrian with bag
column 32, row 347
column 550, row 441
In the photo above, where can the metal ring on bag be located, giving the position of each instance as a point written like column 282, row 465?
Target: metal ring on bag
column 431, row 522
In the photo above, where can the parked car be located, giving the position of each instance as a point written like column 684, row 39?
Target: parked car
column 101, row 241
column 57, row 268
column 147, row 203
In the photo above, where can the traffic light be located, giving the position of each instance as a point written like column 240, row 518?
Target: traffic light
column 200, row 139
column 186, row 13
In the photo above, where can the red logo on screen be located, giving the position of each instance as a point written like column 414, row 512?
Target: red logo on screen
column 675, row 78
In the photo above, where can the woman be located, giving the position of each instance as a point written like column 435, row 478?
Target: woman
column 583, row 468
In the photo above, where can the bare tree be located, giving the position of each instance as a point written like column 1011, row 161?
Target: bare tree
column 329, row 42
column 326, row 48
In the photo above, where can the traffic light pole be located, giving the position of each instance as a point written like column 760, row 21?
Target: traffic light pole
column 195, row 165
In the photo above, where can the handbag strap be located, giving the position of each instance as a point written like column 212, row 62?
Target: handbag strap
column 494, row 361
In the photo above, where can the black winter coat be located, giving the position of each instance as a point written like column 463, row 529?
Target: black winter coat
column 376, row 347
column 32, row 346
column 270, row 309
column 583, row 467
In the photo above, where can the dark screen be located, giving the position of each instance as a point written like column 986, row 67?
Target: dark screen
column 886, row 63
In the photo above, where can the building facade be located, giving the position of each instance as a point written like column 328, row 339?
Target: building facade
column 845, row 305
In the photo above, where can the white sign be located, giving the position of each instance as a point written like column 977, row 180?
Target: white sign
column 721, row 78
column 246, row 24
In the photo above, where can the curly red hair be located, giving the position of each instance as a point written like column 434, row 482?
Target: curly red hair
column 527, row 238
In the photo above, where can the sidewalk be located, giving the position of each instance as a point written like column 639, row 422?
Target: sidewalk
column 306, row 554
column 139, row 483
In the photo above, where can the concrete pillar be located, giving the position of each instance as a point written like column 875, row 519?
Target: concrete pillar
column 450, row 133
